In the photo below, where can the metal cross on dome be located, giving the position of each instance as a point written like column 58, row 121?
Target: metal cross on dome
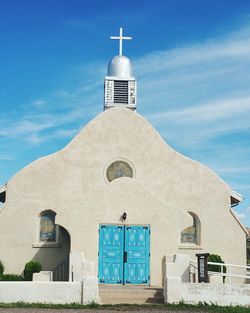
column 121, row 38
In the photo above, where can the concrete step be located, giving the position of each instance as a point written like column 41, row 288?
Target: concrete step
column 110, row 294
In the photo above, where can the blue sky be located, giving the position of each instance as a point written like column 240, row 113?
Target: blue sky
column 191, row 59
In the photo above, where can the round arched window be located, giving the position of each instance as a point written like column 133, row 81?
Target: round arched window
column 119, row 169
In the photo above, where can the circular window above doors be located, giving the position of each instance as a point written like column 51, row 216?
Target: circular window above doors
column 119, row 168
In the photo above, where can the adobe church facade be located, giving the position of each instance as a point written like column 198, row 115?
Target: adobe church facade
column 119, row 194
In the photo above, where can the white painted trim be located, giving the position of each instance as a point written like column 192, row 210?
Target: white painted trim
column 189, row 247
column 237, row 196
column 46, row 244
column 119, row 78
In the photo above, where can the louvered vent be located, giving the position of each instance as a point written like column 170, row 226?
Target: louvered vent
column 121, row 91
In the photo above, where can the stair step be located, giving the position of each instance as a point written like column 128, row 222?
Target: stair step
column 130, row 294
column 132, row 301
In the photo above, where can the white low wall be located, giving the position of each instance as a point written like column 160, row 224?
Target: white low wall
column 43, row 292
column 220, row 294
column 177, row 288
column 83, row 289
column 83, row 292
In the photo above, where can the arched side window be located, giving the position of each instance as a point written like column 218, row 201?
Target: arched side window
column 47, row 226
column 192, row 233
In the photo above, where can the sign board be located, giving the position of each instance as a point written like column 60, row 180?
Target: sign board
column 202, row 267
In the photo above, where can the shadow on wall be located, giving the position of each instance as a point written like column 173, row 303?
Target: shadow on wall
column 55, row 256
column 163, row 265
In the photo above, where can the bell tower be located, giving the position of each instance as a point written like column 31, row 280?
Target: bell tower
column 120, row 84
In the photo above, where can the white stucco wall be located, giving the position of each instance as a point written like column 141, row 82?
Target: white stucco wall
column 220, row 294
column 72, row 182
column 42, row 292
column 83, row 292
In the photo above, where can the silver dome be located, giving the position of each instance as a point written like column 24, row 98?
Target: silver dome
column 120, row 66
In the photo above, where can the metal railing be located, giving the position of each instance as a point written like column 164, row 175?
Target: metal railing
column 61, row 271
column 229, row 272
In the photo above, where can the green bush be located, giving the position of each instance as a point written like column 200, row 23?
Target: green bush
column 31, row 268
column 11, row 277
column 215, row 268
column 1, row 268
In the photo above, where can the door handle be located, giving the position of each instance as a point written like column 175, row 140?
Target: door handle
column 125, row 256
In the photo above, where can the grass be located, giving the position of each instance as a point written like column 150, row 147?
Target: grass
column 133, row 307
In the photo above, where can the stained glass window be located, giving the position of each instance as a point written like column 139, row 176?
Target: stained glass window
column 119, row 169
column 47, row 226
column 191, row 234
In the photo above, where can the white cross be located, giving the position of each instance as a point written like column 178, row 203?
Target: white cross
column 121, row 38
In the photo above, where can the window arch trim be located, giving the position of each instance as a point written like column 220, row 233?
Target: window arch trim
column 192, row 234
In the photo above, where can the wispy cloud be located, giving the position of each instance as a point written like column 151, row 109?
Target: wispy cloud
column 25, row 127
column 233, row 46
column 6, row 157
column 103, row 21
column 235, row 170
column 202, row 90
column 197, row 96
column 57, row 116
column 37, row 127
column 36, row 138
column 80, row 24
column 39, row 103
column 199, row 89
column 213, row 111
column 240, row 215
column 244, row 188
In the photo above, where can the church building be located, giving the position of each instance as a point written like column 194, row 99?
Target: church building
column 119, row 194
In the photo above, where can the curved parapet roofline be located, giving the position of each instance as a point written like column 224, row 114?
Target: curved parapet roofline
column 119, row 120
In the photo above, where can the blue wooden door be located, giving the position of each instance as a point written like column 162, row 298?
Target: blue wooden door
column 137, row 253
column 124, row 253
column 111, row 254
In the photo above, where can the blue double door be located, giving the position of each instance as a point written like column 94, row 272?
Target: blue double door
column 124, row 254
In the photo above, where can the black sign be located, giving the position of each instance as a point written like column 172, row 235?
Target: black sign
column 202, row 267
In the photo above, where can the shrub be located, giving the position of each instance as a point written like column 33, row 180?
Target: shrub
column 1, row 268
column 11, row 277
column 31, row 268
column 216, row 268
column 217, row 259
